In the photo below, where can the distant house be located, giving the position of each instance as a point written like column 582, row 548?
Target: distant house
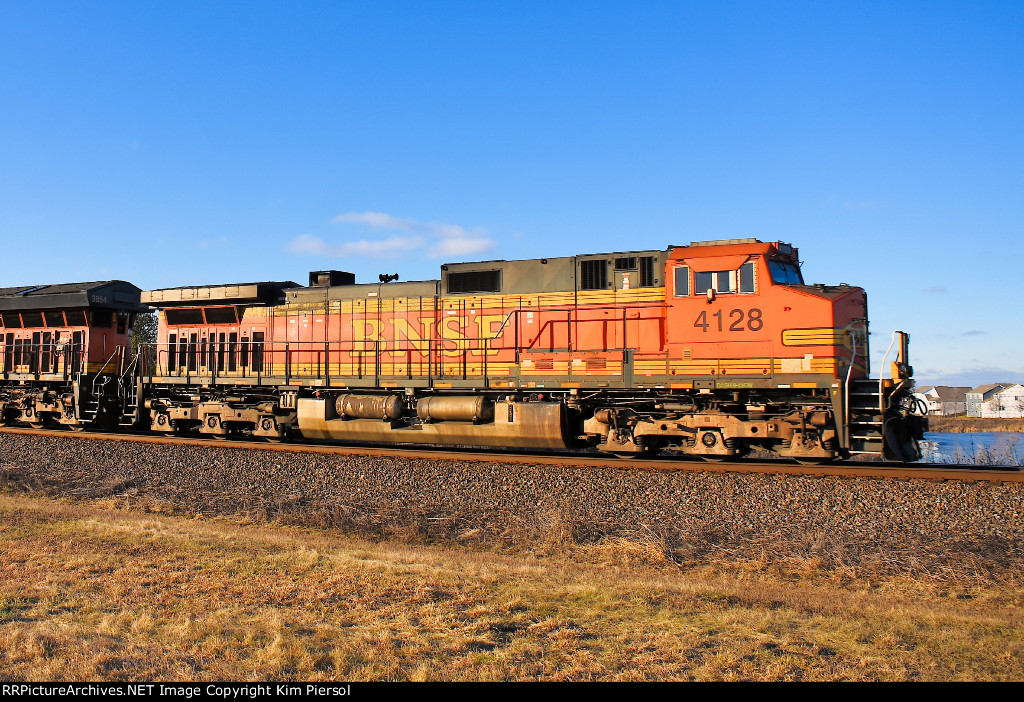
column 943, row 400
column 980, row 394
column 922, row 395
column 1007, row 403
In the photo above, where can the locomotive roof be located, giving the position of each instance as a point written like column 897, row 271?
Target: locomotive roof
column 225, row 293
column 539, row 275
column 727, row 247
column 606, row 254
column 497, row 276
column 111, row 294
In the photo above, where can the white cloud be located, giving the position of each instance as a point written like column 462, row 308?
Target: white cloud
column 381, row 220
column 375, row 220
column 392, row 247
column 458, row 247
column 441, row 241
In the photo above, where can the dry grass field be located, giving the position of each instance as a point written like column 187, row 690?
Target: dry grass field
column 963, row 424
column 90, row 591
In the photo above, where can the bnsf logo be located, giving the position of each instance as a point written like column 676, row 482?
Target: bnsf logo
column 455, row 333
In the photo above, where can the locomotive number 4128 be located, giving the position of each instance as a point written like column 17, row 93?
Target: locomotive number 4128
column 737, row 321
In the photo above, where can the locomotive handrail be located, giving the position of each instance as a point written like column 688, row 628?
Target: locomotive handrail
column 99, row 381
column 292, row 362
column 41, row 359
column 420, row 359
column 881, row 376
column 117, row 351
column 129, row 368
column 502, row 327
column 849, row 372
column 429, row 359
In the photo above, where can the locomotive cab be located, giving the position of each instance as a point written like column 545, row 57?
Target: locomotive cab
column 780, row 365
column 740, row 309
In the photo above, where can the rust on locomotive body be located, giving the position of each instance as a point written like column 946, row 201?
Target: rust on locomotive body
column 711, row 349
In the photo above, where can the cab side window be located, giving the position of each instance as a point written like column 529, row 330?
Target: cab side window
column 741, row 281
column 747, row 278
column 719, row 281
column 682, row 281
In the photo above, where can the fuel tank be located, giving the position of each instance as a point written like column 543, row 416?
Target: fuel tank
column 510, row 425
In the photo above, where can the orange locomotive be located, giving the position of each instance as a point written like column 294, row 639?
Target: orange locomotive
column 65, row 355
column 710, row 349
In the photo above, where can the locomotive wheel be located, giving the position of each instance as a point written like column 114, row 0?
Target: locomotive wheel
column 267, row 424
column 77, row 428
column 287, row 437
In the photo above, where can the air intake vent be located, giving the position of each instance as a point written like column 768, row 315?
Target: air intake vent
column 647, row 271
column 475, row 282
column 593, row 274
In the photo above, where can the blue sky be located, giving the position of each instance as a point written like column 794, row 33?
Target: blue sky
column 169, row 143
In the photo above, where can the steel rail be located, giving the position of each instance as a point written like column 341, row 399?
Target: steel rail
column 895, row 471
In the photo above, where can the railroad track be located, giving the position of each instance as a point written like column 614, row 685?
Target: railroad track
column 896, row 471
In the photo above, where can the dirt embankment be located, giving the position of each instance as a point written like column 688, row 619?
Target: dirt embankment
column 960, row 425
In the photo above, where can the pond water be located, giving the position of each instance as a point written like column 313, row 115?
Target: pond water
column 989, row 447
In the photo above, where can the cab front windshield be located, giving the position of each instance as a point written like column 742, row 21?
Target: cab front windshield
column 785, row 272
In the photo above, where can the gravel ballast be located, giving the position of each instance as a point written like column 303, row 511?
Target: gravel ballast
column 902, row 525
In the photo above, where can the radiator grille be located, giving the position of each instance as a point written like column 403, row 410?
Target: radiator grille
column 593, row 275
